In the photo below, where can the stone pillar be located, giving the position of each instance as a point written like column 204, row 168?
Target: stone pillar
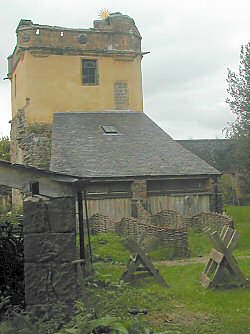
column 139, row 194
column 49, row 249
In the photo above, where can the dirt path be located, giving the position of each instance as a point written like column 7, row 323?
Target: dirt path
column 193, row 260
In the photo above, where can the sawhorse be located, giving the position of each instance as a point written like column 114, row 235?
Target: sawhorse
column 221, row 258
column 139, row 265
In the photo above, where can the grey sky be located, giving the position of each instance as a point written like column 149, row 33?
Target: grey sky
column 192, row 43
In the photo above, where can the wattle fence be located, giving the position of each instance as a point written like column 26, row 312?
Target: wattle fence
column 168, row 226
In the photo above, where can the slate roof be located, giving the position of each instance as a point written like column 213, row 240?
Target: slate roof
column 219, row 153
column 80, row 147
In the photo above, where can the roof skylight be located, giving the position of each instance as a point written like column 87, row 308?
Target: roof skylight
column 109, row 129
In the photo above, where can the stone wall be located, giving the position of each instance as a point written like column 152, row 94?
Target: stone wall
column 139, row 189
column 49, row 249
column 30, row 144
column 139, row 194
column 121, row 95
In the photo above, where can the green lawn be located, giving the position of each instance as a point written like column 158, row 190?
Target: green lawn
column 241, row 217
column 198, row 242
column 200, row 245
column 186, row 307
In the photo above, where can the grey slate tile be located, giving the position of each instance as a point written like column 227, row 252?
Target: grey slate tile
column 141, row 148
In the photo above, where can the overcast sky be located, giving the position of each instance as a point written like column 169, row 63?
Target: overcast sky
column 191, row 44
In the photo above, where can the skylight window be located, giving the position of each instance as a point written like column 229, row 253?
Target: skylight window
column 109, row 129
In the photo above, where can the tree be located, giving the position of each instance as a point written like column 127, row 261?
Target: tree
column 239, row 103
column 5, row 192
column 5, row 148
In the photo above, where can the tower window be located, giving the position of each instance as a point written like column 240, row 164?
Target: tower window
column 89, row 72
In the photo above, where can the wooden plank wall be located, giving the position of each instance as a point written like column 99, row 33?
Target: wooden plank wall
column 186, row 205
column 116, row 208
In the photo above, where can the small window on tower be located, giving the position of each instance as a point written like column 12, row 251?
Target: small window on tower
column 89, row 72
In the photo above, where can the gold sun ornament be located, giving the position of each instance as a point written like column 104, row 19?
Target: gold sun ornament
column 104, row 13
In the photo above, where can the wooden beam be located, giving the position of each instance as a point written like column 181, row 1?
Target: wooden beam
column 51, row 184
column 216, row 256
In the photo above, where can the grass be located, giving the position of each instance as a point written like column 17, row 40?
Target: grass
column 108, row 248
column 187, row 307
column 241, row 217
column 200, row 245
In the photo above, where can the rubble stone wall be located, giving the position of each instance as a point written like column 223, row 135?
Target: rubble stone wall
column 121, row 95
column 30, row 144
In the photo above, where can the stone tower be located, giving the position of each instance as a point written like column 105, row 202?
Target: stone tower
column 56, row 69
